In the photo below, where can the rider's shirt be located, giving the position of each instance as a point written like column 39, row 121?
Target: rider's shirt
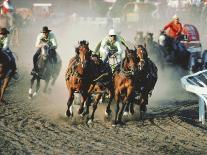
column 174, row 30
column 51, row 40
column 4, row 43
column 113, row 46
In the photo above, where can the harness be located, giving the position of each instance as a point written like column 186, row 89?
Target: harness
column 128, row 74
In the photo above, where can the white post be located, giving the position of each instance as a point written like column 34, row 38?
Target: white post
column 201, row 110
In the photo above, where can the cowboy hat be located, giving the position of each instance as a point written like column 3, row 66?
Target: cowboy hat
column 45, row 29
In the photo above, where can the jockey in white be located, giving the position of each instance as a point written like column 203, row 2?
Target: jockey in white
column 111, row 45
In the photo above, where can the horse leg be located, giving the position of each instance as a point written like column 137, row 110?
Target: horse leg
column 31, row 85
column 37, row 87
column 108, row 108
column 124, row 103
column 87, row 104
column 83, row 99
column 69, row 103
column 46, row 85
column 3, row 88
column 98, row 97
column 143, row 103
column 117, row 97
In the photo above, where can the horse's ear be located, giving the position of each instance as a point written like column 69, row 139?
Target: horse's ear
column 145, row 45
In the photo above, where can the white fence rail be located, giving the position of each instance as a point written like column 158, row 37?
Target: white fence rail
column 197, row 84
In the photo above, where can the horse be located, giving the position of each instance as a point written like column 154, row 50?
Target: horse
column 5, row 75
column 101, row 85
column 124, row 79
column 155, row 51
column 45, row 71
column 145, row 81
column 79, row 77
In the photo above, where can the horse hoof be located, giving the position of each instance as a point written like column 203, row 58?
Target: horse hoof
column 121, row 123
column 30, row 96
column 114, row 123
column 126, row 113
column 34, row 94
column 131, row 112
column 80, row 111
column 90, row 121
column 108, row 113
column 68, row 114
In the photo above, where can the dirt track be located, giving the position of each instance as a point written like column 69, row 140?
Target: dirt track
column 24, row 129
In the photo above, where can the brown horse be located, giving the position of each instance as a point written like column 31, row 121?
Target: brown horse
column 5, row 75
column 101, row 85
column 124, row 79
column 79, row 77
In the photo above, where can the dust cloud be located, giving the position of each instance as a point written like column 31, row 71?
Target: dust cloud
column 68, row 33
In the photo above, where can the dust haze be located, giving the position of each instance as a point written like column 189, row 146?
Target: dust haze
column 68, row 32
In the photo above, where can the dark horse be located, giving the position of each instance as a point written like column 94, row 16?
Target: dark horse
column 45, row 71
column 79, row 77
column 124, row 79
column 101, row 85
column 5, row 74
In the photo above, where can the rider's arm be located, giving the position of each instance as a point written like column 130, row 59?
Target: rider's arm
column 167, row 26
column 53, row 41
column 38, row 41
column 97, row 49
column 123, row 41
column 118, row 45
column 103, row 45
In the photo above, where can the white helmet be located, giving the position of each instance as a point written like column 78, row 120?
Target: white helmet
column 175, row 17
column 112, row 32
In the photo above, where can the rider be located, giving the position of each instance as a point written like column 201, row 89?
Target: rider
column 4, row 46
column 111, row 45
column 45, row 37
column 174, row 33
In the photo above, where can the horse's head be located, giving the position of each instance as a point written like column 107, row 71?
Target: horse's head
column 84, row 53
column 130, row 61
column 141, row 51
column 163, row 39
column 44, row 52
column 149, row 37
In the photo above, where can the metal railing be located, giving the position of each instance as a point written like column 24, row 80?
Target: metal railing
column 197, row 84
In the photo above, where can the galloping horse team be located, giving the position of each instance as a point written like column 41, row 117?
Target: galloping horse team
column 134, row 77
column 130, row 82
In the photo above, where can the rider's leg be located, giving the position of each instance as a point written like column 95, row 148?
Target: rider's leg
column 104, row 55
column 13, row 62
column 35, row 58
